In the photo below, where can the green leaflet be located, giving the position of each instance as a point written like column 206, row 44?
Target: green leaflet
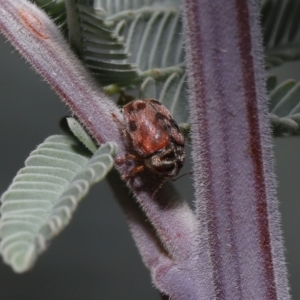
column 101, row 48
column 284, row 107
column 112, row 7
column 44, row 194
column 118, row 48
column 281, row 27
column 81, row 134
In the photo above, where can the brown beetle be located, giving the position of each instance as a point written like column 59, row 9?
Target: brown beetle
column 155, row 139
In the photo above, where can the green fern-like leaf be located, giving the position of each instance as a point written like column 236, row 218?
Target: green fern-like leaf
column 281, row 25
column 43, row 196
column 151, row 35
column 284, row 108
column 112, row 7
column 135, row 46
column 99, row 46
column 118, row 48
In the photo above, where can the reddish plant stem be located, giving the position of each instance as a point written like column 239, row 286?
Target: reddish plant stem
column 239, row 225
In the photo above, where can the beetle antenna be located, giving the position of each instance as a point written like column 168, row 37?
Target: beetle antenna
column 190, row 172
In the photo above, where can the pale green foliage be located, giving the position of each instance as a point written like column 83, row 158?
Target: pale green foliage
column 119, row 47
column 81, row 134
column 132, row 46
column 280, row 22
column 116, row 6
column 101, row 48
column 281, row 32
column 43, row 196
column 284, row 107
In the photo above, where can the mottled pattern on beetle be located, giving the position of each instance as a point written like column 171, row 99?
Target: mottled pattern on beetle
column 154, row 136
column 150, row 126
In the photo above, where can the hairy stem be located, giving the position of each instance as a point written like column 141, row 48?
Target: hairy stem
column 239, row 224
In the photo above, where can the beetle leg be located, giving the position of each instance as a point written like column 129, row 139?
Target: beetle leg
column 119, row 123
column 128, row 157
column 123, row 132
column 132, row 172
column 131, row 156
column 120, row 160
